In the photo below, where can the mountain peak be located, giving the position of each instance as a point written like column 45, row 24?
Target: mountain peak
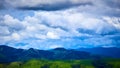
column 31, row 49
column 60, row 49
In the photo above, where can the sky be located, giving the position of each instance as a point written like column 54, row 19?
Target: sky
column 47, row 24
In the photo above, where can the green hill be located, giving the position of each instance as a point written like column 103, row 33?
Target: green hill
column 101, row 63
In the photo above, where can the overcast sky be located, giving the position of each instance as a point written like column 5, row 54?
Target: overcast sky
column 46, row 24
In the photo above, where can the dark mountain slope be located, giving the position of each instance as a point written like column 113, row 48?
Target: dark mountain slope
column 9, row 54
column 61, row 53
column 113, row 52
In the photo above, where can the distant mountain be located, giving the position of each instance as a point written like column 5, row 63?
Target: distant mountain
column 113, row 52
column 9, row 54
column 61, row 53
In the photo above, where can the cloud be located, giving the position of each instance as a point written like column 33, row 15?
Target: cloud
column 53, row 7
column 11, row 24
column 109, row 8
column 10, row 28
column 4, row 31
column 92, row 29
column 79, row 22
column 115, row 21
column 2, row 4
column 47, row 5
column 52, row 35
column 113, row 3
column 82, row 25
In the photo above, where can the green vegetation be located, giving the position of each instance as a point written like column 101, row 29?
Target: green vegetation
column 101, row 63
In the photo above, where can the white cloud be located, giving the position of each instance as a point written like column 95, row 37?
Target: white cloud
column 10, row 28
column 74, row 21
column 54, row 46
column 52, row 35
column 4, row 31
column 57, row 25
column 16, row 36
column 12, row 23
column 115, row 21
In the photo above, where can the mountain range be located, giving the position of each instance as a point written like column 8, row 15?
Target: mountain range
column 10, row 54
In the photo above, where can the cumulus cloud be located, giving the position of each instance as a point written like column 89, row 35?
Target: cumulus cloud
column 13, row 24
column 79, row 25
column 78, row 21
column 10, row 28
column 59, row 28
column 115, row 21
column 4, row 31
column 52, row 35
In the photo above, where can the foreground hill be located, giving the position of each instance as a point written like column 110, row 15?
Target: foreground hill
column 103, row 63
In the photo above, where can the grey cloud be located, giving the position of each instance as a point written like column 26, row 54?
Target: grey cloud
column 2, row 4
column 48, row 5
column 106, row 7
column 53, row 7
column 113, row 3
column 54, row 27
